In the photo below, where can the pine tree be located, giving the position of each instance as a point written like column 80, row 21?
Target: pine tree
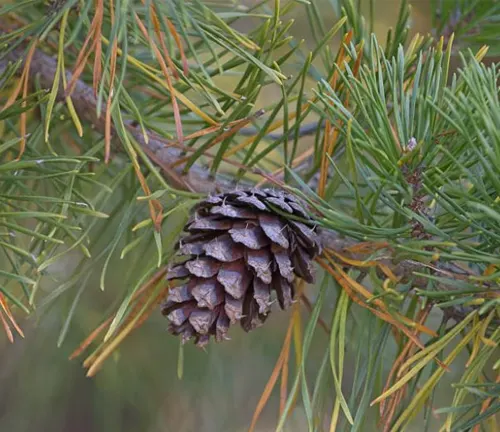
column 125, row 122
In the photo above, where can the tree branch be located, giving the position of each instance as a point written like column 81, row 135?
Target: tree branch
column 159, row 150
column 164, row 154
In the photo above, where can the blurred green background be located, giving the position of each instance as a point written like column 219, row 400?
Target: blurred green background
column 138, row 388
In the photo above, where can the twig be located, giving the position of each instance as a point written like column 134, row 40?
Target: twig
column 162, row 152
column 304, row 130
column 198, row 179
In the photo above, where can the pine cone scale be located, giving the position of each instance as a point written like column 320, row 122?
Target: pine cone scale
column 202, row 320
column 252, row 237
column 224, row 249
column 233, row 212
column 234, row 308
column 283, row 263
column 274, row 228
column 203, row 267
column 179, row 316
column 279, row 202
column 260, row 262
column 180, row 294
column 208, row 293
column 209, row 223
column 253, row 201
column 262, row 295
column 178, row 272
column 302, row 265
column 283, row 291
column 234, row 278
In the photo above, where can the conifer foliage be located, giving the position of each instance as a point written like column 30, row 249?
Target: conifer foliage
column 373, row 166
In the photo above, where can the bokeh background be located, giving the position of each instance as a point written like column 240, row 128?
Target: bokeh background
column 138, row 389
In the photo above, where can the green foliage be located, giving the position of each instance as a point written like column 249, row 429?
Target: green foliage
column 415, row 165
column 474, row 22
column 447, row 135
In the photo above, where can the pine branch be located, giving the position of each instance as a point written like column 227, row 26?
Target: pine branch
column 409, row 270
column 164, row 153
column 161, row 151
column 407, row 220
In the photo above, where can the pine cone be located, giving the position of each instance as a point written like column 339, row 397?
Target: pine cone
column 239, row 250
